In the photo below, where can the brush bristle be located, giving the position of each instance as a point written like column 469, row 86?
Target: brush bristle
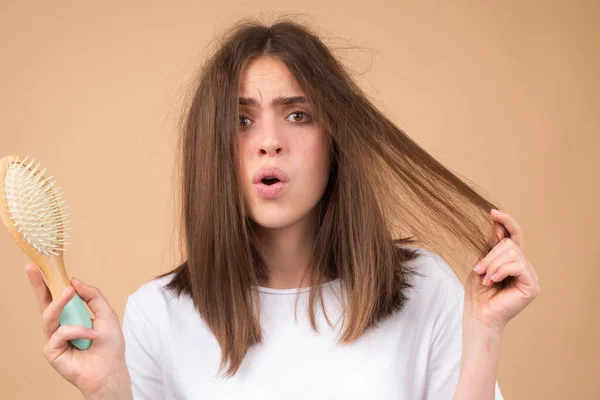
column 35, row 206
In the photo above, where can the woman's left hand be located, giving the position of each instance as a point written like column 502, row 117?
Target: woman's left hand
column 503, row 283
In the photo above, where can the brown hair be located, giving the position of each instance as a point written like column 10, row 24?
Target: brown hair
column 384, row 191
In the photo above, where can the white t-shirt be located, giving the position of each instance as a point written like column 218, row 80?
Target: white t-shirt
column 413, row 354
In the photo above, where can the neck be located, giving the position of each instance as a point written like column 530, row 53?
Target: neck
column 288, row 251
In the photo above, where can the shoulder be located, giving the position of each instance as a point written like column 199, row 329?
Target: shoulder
column 146, row 312
column 433, row 265
column 434, row 280
column 151, row 297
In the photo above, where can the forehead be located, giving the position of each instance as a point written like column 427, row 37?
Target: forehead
column 268, row 77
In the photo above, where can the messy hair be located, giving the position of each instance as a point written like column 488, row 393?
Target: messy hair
column 384, row 191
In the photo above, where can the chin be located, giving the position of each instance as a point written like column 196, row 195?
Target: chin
column 274, row 219
column 272, row 222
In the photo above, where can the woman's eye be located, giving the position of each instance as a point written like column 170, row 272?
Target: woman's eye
column 244, row 121
column 299, row 116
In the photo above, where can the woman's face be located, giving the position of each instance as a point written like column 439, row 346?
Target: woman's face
column 277, row 130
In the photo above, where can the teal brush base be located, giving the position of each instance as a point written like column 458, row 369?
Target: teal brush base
column 75, row 313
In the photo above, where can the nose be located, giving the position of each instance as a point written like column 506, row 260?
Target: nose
column 270, row 149
column 270, row 143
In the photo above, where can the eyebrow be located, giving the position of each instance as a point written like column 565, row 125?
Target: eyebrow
column 279, row 100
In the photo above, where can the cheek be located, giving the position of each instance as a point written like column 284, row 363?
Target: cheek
column 242, row 153
column 316, row 157
column 242, row 157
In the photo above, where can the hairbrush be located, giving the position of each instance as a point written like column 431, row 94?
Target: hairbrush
column 35, row 216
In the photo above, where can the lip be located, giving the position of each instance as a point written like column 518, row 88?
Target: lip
column 269, row 171
column 269, row 192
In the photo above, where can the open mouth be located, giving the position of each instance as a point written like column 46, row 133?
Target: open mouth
column 269, row 181
column 270, row 187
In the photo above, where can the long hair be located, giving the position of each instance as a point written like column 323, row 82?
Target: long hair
column 383, row 191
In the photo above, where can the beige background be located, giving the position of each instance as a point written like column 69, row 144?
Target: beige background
column 504, row 93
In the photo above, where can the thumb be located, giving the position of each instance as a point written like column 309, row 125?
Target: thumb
column 93, row 297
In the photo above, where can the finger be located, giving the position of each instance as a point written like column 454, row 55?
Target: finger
column 507, row 256
column 59, row 341
column 40, row 290
column 535, row 275
column 510, row 224
column 512, row 254
column 93, row 297
column 537, row 278
column 51, row 315
column 505, row 245
column 498, row 233
column 517, row 269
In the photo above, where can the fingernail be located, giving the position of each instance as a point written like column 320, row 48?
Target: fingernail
column 94, row 333
column 497, row 212
column 485, row 280
column 66, row 291
column 478, row 268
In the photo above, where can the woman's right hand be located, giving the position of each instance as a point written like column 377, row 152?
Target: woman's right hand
column 101, row 368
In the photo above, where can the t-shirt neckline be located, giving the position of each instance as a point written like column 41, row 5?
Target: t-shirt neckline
column 269, row 290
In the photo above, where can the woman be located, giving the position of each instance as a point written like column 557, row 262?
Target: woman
column 294, row 187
